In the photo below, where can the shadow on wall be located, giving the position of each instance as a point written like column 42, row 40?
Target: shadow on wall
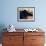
column 2, row 26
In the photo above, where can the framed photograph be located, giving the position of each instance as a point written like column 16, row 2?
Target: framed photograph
column 26, row 14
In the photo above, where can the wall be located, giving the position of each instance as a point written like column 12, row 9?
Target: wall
column 9, row 13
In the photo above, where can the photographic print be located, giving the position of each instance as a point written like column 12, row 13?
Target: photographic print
column 26, row 14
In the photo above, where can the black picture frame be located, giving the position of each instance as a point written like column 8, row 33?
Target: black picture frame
column 25, row 14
